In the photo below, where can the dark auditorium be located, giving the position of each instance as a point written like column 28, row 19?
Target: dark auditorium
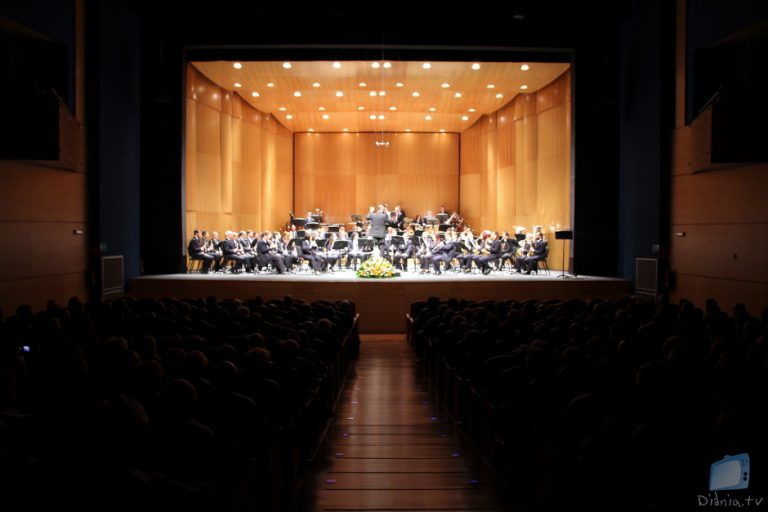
column 345, row 256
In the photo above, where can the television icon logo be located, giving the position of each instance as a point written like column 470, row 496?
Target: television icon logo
column 730, row 474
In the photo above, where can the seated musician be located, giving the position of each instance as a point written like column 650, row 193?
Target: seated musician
column 196, row 251
column 467, row 248
column 399, row 217
column 388, row 250
column 494, row 252
column 281, row 245
column 509, row 247
column 527, row 247
column 430, row 245
column 356, row 253
column 446, row 253
column 310, row 252
column 332, row 255
column 267, row 253
column 404, row 251
column 232, row 250
column 537, row 252
column 213, row 247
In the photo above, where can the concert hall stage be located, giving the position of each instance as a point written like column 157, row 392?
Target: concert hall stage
column 381, row 303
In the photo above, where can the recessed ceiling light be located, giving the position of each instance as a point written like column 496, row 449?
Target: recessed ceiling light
column 407, row 129
column 289, row 117
column 270, row 84
column 432, row 109
column 445, row 85
column 381, row 117
column 375, row 65
column 499, row 96
column 237, row 65
column 393, row 108
column 287, row 65
column 238, row 84
column 523, row 87
column 361, row 107
column 475, row 66
column 457, row 95
column 339, row 94
column 465, row 118
column 490, row 86
column 372, row 117
column 426, row 65
column 321, row 108
column 282, row 109
column 311, row 130
column 336, row 65
column 399, row 84
column 326, row 116
column 362, row 84
column 382, row 93
column 442, row 130
column 427, row 118
column 471, row 109
column 316, row 84
column 345, row 130
column 415, row 94
column 387, row 65
column 525, row 67
column 255, row 94
column 297, row 94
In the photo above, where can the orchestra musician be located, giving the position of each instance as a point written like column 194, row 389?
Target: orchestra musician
column 309, row 252
column 404, row 251
column 494, row 252
column 267, row 253
column 509, row 246
column 356, row 254
column 526, row 248
column 446, row 253
column 213, row 247
column 467, row 246
column 196, row 251
column 331, row 255
column 537, row 251
column 232, row 250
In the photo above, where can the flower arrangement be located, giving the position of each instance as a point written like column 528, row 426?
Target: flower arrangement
column 377, row 267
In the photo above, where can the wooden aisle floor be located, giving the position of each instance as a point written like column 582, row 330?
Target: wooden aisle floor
column 390, row 448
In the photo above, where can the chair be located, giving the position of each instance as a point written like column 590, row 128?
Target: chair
column 194, row 265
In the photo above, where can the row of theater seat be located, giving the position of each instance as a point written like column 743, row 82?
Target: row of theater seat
column 618, row 404
column 190, row 404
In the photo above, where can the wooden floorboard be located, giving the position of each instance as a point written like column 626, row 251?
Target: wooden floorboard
column 391, row 448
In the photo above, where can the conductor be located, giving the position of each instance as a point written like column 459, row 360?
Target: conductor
column 378, row 230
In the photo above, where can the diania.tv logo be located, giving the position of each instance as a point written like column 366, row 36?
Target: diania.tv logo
column 729, row 474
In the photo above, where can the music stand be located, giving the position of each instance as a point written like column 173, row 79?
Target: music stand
column 298, row 222
column 418, row 233
column 366, row 244
column 443, row 227
column 333, row 228
column 397, row 240
column 300, row 234
column 442, row 217
column 520, row 237
column 564, row 235
column 341, row 245
column 312, row 225
column 432, row 220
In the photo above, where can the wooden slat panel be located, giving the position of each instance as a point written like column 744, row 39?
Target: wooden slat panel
column 404, row 482
column 727, row 292
column 735, row 195
column 34, row 193
column 682, row 151
column 36, row 291
column 443, row 499
column 724, row 251
column 42, row 248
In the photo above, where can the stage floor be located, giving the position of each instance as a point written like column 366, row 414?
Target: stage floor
column 381, row 303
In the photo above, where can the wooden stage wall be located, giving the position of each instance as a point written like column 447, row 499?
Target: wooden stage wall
column 239, row 162
column 382, row 304
column 516, row 165
column 345, row 173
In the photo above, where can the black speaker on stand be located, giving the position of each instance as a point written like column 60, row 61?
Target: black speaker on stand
column 564, row 235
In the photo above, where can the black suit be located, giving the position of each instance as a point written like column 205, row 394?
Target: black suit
column 196, row 252
column 266, row 257
column 378, row 229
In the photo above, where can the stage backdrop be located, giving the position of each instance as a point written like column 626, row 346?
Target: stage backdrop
column 239, row 162
column 516, row 165
column 345, row 173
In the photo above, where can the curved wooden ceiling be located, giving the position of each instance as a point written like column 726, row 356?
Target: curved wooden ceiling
column 322, row 97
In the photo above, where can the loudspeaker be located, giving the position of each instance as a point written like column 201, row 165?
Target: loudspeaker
column 563, row 235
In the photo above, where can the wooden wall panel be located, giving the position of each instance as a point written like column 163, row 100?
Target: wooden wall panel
column 43, row 219
column 516, row 167
column 344, row 173
column 236, row 160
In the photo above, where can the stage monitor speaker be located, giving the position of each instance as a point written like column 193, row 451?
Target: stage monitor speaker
column 563, row 235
